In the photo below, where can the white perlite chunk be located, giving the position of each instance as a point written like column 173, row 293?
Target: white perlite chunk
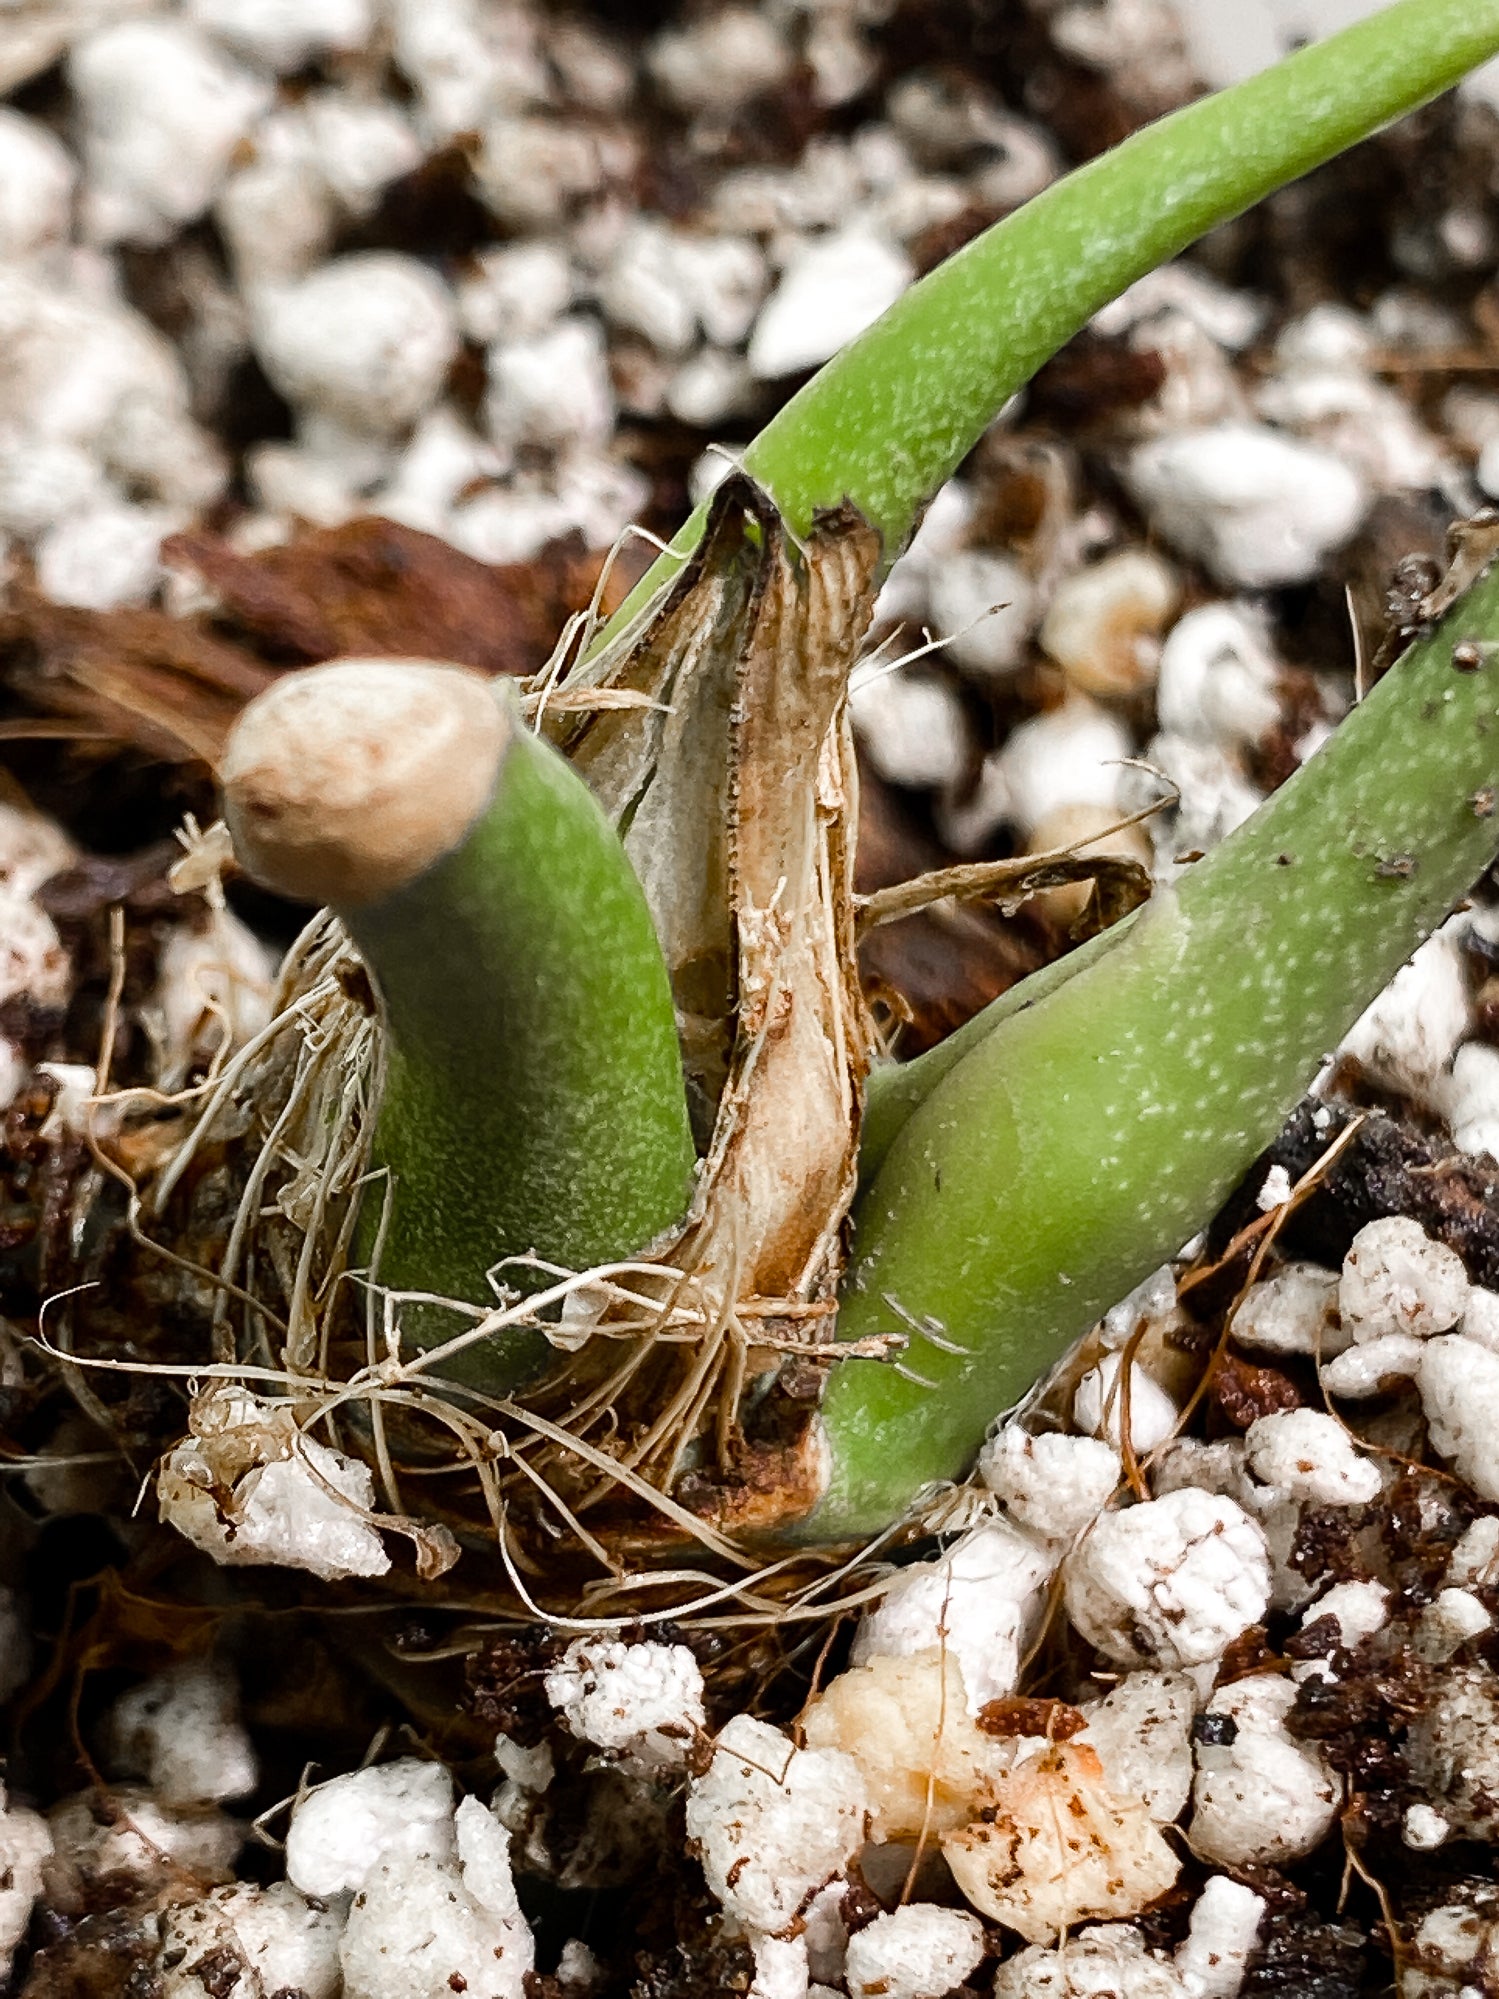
column 644, row 1702
column 1470, row 1097
column 162, row 111
column 1264, row 1796
column 1455, row 1951
column 1171, row 1582
column 1459, row 1383
column 37, row 174
column 1397, row 1280
column 774, row 1823
column 1059, row 1846
column 247, row 1486
column 1143, row 1734
column 1218, row 678
column 911, row 727
column 1449, row 1621
column 104, row 556
column 1070, row 756
column 918, row 1952
column 1109, row 1961
column 980, row 1600
column 276, row 1940
column 1295, row 1311
column 181, row 1731
column 983, row 604
column 141, row 1842
column 780, row 1968
column 1309, row 1454
column 1359, row 1610
column 365, row 342
column 343, row 1830
column 1371, row 1366
column 1221, row 1932
column 427, row 1928
column 1453, row 1751
column 25, row 1843
column 927, row 1764
column 1103, row 622
column 1475, row 1559
column 719, row 61
column 550, row 388
column 1054, row 1485
column 1098, row 1404
column 1424, row 1830
column 1406, row 1040
column 836, row 286
column 286, row 34
column 1258, row 508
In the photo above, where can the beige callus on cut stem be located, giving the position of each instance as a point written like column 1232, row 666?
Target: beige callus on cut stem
column 345, row 782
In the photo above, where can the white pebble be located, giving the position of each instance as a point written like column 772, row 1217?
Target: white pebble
column 1071, row 756
column 1099, row 1400
column 644, row 1701
column 285, row 34
column 837, row 286
column 1222, row 1931
column 1275, row 1192
column 773, row 1822
column 981, row 1600
column 25, row 1845
column 551, row 389
column 984, row 606
column 1475, row 1559
column 359, row 146
column 424, row 1928
column 1054, row 1484
column 911, row 727
column 1358, row 1608
column 1470, row 1099
column 343, row 1830
column 1459, row 1383
column 928, row 1766
column 1452, row 1750
column 1396, row 1279
column 162, row 111
column 365, row 341
column 532, row 172
column 1372, row 1366
column 104, row 557
column 182, row 1732
column 1293, row 1312
column 1258, row 508
column 45, row 480
column 247, row 1486
column 1103, row 625
column 1142, row 1732
column 1171, row 1583
column 514, row 291
column 1480, row 1321
column 37, row 176
column 1058, row 1846
column 33, row 962
column 1218, row 678
column 466, row 59
column 1406, row 1039
column 1310, row 1455
column 916, row 1952
column 780, row 1968
column 1450, row 1621
column 1264, row 1797
column 143, row 1843
column 1109, row 1961
column 276, row 1940
column 1424, row 1830
column 719, row 61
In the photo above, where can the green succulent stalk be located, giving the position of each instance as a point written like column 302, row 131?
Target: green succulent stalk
column 1087, row 1132
column 533, row 1097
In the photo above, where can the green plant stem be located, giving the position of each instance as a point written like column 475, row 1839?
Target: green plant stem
column 533, row 1097
column 1086, row 1136
column 894, row 414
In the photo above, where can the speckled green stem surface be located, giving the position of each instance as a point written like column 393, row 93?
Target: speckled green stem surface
column 533, row 1095
column 1081, row 1140
column 894, row 414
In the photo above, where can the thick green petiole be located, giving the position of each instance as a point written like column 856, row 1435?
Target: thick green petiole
column 533, row 1096
column 1084, row 1137
column 894, row 414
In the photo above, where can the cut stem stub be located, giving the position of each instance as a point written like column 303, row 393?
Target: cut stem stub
column 532, row 1099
